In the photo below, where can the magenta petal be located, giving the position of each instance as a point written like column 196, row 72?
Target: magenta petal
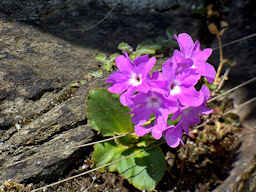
column 140, row 130
column 140, row 114
column 206, row 110
column 205, row 90
column 118, row 88
column 179, row 58
column 123, row 63
column 190, row 97
column 168, row 70
column 125, row 98
column 141, row 59
column 173, row 136
column 201, row 55
column 117, row 77
column 191, row 80
column 149, row 65
column 157, row 133
column 206, row 53
column 143, row 88
column 160, row 126
column 210, row 72
column 186, row 44
column 144, row 68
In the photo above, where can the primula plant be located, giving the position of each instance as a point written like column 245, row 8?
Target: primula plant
column 164, row 104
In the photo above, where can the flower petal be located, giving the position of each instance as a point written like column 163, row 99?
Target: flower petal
column 210, row 72
column 173, row 136
column 190, row 97
column 145, row 67
column 186, row 44
column 140, row 130
column 141, row 59
column 140, row 114
column 118, row 88
column 117, row 77
column 168, row 70
column 125, row 98
column 160, row 126
column 201, row 54
column 123, row 63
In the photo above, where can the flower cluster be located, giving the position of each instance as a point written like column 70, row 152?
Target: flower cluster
column 157, row 98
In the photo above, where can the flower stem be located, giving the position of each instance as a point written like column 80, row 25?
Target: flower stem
column 221, row 59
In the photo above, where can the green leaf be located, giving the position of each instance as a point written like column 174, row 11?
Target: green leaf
column 146, row 141
column 107, row 66
column 101, row 57
column 142, row 167
column 146, row 50
column 172, row 122
column 96, row 74
column 112, row 57
column 170, row 33
column 125, row 47
column 106, row 152
column 128, row 141
column 75, row 84
column 106, row 114
column 212, row 87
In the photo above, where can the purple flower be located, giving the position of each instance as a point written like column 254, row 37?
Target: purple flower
column 180, row 81
column 173, row 136
column 191, row 50
column 154, row 98
column 131, row 77
column 188, row 117
column 147, row 104
column 191, row 115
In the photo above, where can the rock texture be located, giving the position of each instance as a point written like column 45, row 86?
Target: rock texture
column 39, row 111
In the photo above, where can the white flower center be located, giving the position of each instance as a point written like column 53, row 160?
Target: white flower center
column 174, row 88
column 193, row 66
column 153, row 101
column 135, row 79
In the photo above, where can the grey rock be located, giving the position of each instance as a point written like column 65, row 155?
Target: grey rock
column 39, row 111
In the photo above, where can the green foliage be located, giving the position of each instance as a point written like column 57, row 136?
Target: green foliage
column 133, row 157
column 107, row 61
column 212, row 87
column 147, row 47
column 76, row 84
column 172, row 122
column 125, row 47
column 106, row 114
column 142, row 167
column 96, row 74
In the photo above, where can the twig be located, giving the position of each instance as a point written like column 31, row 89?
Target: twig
column 216, row 81
column 230, row 90
column 236, row 41
column 224, row 77
column 241, row 106
column 102, row 20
